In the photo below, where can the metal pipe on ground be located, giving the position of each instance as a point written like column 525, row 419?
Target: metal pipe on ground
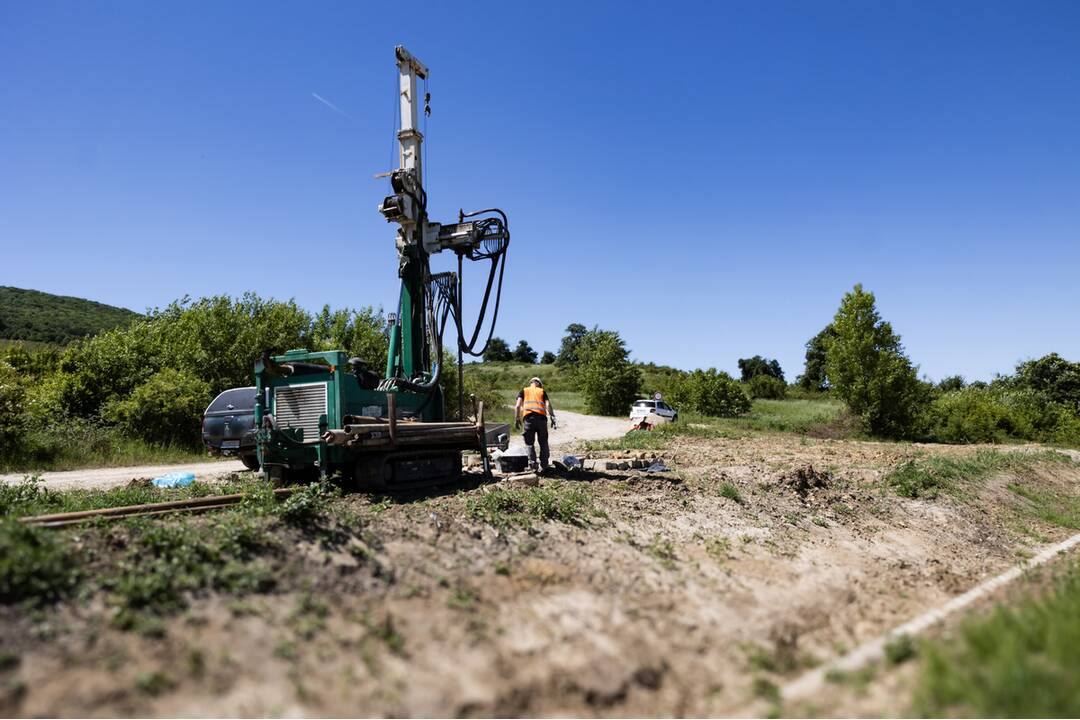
column 211, row 502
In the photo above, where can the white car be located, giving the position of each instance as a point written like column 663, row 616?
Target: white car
column 644, row 408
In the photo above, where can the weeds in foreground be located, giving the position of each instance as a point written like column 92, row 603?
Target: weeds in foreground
column 899, row 649
column 663, row 550
column 35, row 565
column 718, row 548
column 504, row 507
column 732, row 493
column 31, row 497
column 1018, row 661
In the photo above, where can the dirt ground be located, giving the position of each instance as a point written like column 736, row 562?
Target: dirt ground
column 695, row 592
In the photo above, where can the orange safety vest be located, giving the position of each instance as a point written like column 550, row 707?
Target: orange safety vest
column 534, row 401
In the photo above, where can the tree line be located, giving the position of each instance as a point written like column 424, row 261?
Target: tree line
column 151, row 378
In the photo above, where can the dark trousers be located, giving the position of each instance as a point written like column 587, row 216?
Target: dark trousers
column 536, row 427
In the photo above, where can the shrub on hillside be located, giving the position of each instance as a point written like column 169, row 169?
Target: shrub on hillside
column 767, row 387
column 166, row 409
column 708, row 392
column 216, row 339
column 609, row 382
column 973, row 415
column 999, row 413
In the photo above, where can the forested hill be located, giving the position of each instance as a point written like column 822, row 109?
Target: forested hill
column 42, row 317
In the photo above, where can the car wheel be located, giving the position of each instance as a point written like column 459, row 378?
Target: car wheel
column 251, row 462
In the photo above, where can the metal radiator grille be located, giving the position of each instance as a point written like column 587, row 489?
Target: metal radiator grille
column 299, row 406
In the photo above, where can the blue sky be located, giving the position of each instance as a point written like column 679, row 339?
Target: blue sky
column 706, row 178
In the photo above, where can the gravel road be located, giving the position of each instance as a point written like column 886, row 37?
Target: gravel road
column 572, row 427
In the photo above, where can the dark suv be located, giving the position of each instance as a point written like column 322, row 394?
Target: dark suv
column 228, row 426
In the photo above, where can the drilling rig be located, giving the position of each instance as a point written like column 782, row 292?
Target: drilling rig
column 323, row 413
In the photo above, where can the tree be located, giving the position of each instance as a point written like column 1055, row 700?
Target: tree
column 548, row 358
column 609, row 382
column 497, row 351
column 866, row 365
column 813, row 377
column 524, row 354
column 1054, row 377
column 952, row 383
column 360, row 333
column 568, row 350
column 757, row 365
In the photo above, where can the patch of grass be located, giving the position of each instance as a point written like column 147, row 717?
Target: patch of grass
column 84, row 445
column 463, row 598
column 766, row 689
column 731, row 492
column 31, row 497
column 154, row 683
column 719, row 548
column 1018, row 661
column 503, row 507
column 36, row 565
column 899, row 649
column 928, row 476
column 793, row 416
column 857, row 679
column 309, row 617
column 388, row 634
column 663, row 550
column 1051, row 506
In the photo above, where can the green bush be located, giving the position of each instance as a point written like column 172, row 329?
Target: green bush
column 35, row 564
column 866, row 365
column 166, row 409
column 767, row 387
column 12, row 405
column 609, row 382
column 972, row 415
column 999, row 413
column 708, row 392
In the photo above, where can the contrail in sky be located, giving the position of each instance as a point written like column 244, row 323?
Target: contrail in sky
column 329, row 104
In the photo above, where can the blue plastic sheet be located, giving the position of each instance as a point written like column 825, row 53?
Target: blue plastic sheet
column 174, row 480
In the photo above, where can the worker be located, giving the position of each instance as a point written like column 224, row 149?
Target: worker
column 533, row 408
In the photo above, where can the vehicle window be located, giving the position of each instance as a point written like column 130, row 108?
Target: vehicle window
column 645, row 403
column 239, row 398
